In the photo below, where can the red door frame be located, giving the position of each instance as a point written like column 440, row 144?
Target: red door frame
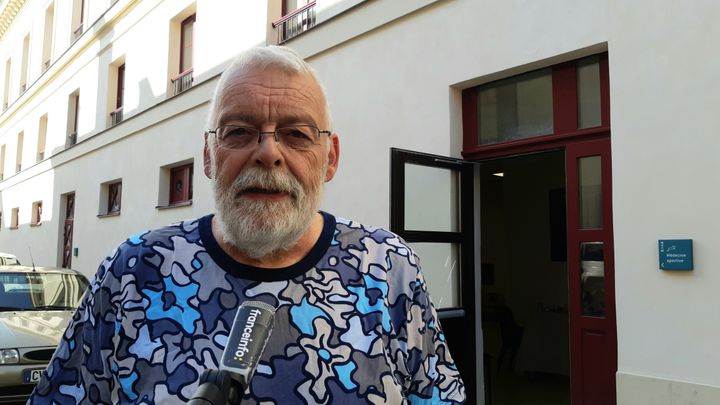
column 589, row 386
column 593, row 339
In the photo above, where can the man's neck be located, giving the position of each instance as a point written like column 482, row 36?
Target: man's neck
column 280, row 259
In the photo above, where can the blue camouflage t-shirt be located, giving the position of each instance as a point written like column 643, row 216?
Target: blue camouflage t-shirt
column 354, row 323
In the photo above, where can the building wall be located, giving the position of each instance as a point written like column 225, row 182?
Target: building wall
column 664, row 91
column 393, row 72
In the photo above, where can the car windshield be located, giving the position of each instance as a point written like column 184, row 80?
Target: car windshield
column 11, row 260
column 38, row 291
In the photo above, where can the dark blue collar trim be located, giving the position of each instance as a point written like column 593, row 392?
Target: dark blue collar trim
column 248, row 272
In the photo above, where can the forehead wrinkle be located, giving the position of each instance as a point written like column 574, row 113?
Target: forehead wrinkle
column 284, row 104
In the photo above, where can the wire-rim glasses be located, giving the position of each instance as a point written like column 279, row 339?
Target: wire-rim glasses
column 239, row 137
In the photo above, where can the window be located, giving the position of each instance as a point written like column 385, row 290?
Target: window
column 114, row 197
column 288, row 6
column 78, row 15
column 110, row 198
column 42, row 135
column 518, row 107
column 566, row 99
column 36, row 218
column 2, row 162
column 73, row 114
column 14, row 218
column 48, row 37
column 184, row 79
column 298, row 16
column 18, row 156
column 24, row 64
column 588, row 92
column 181, row 184
column 117, row 114
column 186, row 43
column 6, row 93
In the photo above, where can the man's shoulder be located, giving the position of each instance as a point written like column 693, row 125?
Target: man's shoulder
column 349, row 226
column 165, row 236
column 368, row 237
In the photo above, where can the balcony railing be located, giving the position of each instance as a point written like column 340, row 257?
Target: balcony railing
column 295, row 23
column 116, row 116
column 182, row 82
column 23, row 87
column 46, row 65
column 76, row 33
column 72, row 138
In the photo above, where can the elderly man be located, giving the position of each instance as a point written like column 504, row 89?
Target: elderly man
column 354, row 322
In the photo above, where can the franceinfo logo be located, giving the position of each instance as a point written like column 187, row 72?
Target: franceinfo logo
column 246, row 336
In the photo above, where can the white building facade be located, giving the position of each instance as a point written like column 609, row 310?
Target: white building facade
column 536, row 154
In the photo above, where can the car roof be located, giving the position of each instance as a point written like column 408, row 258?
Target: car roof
column 16, row 268
column 3, row 254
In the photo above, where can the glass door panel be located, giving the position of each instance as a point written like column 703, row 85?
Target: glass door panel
column 592, row 278
column 432, row 199
column 590, row 185
column 440, row 264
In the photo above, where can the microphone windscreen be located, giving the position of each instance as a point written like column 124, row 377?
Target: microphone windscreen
column 248, row 337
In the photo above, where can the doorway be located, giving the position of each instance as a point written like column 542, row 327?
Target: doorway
column 67, row 230
column 524, row 277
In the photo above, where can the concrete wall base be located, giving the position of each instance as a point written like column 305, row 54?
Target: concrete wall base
column 641, row 390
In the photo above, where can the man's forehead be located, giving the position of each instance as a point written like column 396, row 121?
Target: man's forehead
column 274, row 89
column 271, row 78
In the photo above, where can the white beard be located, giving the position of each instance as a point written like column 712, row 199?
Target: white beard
column 261, row 229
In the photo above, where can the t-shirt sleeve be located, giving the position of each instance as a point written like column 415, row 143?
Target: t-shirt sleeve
column 434, row 378
column 83, row 370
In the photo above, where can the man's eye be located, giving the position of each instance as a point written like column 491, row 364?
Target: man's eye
column 238, row 132
column 296, row 133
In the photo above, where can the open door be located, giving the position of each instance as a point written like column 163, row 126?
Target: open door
column 593, row 341
column 432, row 209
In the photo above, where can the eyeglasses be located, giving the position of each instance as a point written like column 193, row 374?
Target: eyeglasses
column 297, row 137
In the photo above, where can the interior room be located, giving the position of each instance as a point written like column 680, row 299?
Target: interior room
column 524, row 280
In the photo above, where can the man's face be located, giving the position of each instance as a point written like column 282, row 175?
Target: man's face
column 266, row 197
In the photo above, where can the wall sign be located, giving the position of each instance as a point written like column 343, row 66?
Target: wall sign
column 675, row 254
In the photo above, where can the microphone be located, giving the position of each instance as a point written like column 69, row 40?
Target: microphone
column 247, row 340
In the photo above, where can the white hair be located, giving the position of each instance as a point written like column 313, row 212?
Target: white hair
column 274, row 57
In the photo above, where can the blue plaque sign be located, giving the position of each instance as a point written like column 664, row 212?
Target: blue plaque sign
column 675, row 254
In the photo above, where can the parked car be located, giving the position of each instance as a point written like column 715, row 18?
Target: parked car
column 36, row 304
column 7, row 259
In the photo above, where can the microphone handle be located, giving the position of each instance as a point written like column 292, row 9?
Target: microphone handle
column 217, row 387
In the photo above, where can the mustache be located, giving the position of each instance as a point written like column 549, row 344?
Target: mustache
column 260, row 180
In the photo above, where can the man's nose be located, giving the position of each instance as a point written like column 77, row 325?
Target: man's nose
column 267, row 152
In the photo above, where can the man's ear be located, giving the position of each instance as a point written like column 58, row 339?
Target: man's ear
column 333, row 157
column 206, row 158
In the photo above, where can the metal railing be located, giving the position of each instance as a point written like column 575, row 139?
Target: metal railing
column 116, row 116
column 182, row 81
column 295, row 23
column 46, row 65
column 72, row 138
column 23, row 87
column 76, row 33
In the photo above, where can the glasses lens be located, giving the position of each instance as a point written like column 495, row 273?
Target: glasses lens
column 298, row 137
column 237, row 137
